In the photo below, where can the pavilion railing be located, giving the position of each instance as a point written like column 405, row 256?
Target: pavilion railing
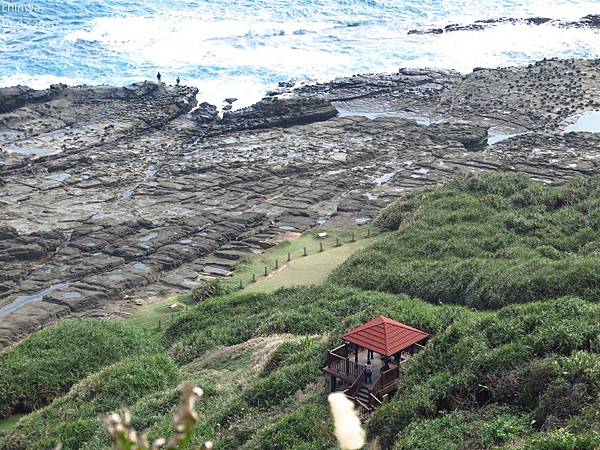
column 387, row 377
column 343, row 365
column 356, row 384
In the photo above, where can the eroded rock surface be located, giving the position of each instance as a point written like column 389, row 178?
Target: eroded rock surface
column 112, row 193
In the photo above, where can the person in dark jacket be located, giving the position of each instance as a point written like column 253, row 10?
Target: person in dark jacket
column 369, row 372
column 158, row 77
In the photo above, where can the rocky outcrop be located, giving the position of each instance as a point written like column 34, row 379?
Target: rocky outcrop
column 205, row 113
column 277, row 112
column 17, row 96
column 589, row 21
column 110, row 194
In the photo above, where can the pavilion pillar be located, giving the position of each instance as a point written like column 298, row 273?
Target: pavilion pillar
column 332, row 384
column 346, row 347
column 356, row 354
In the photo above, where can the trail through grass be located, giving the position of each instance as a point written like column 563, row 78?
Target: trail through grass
column 313, row 269
column 336, row 246
column 310, row 270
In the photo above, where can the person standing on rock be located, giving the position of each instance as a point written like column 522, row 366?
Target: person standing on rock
column 177, row 81
column 158, row 77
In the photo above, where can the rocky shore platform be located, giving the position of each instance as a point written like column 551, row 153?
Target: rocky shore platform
column 109, row 194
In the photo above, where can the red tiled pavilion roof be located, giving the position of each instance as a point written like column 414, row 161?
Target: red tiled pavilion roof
column 385, row 336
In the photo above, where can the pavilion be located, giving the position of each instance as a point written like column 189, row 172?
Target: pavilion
column 387, row 344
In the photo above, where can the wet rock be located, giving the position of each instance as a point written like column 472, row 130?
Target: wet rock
column 205, row 113
column 589, row 21
column 271, row 112
column 117, row 191
column 471, row 136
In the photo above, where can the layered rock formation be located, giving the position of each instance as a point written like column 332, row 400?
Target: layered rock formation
column 110, row 193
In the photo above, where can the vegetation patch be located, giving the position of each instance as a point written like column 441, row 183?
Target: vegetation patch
column 301, row 311
column 541, row 359
column 49, row 362
column 73, row 419
column 486, row 242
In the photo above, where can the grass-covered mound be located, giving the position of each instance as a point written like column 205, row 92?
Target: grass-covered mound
column 73, row 418
column 514, row 373
column 299, row 311
column 48, row 363
column 486, row 241
column 510, row 378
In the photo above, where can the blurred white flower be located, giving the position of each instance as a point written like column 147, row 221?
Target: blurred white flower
column 347, row 429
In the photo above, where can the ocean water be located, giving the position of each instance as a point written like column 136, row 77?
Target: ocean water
column 243, row 48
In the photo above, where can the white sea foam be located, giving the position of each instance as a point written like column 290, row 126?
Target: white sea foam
column 241, row 49
column 35, row 81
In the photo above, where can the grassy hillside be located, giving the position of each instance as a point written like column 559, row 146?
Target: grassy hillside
column 487, row 242
column 500, row 270
column 48, row 363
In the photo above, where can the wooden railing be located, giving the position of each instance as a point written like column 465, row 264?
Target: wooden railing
column 374, row 402
column 387, row 377
column 339, row 350
column 336, row 362
column 362, row 410
column 343, row 365
column 356, row 384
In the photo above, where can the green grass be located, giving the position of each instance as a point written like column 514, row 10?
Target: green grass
column 147, row 317
column 486, row 242
column 8, row 424
column 47, row 364
column 302, row 271
column 327, row 260
column 231, row 320
column 521, row 371
column 73, row 419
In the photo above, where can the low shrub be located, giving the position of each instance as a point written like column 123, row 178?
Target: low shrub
column 209, row 288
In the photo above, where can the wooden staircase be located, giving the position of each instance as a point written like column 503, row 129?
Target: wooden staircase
column 363, row 394
column 364, row 399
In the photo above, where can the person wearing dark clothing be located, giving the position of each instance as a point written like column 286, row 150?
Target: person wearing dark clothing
column 158, row 77
column 369, row 372
column 385, row 366
column 177, row 81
